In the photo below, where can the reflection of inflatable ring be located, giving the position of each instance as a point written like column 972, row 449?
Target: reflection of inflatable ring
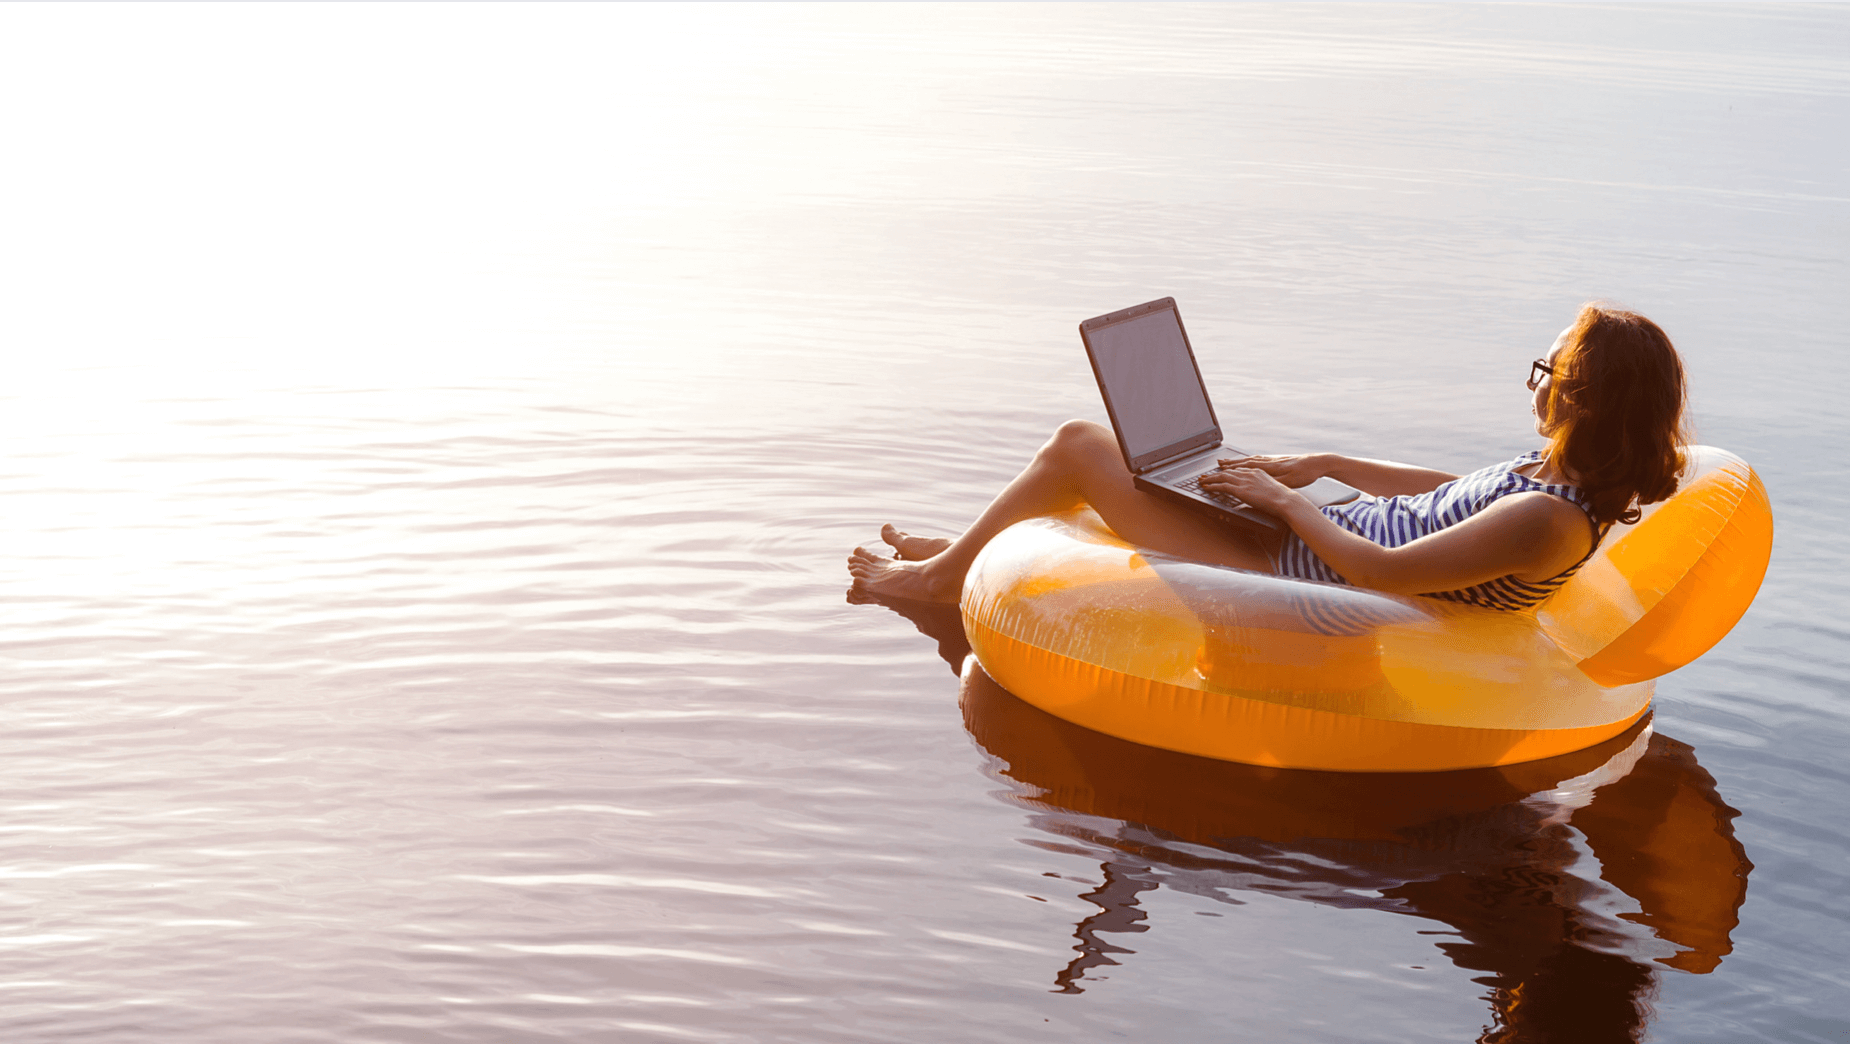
column 1271, row 671
column 1648, row 812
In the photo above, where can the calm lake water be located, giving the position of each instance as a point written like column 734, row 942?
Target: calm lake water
column 432, row 436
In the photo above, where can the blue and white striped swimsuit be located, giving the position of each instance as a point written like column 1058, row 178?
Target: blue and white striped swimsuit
column 1393, row 521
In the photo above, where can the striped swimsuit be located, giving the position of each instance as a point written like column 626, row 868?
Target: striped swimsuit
column 1393, row 521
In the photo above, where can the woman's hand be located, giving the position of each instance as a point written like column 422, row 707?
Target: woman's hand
column 1294, row 470
column 1252, row 484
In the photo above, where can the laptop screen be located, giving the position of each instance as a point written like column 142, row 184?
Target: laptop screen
column 1151, row 385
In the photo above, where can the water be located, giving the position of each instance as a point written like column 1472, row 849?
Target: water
column 433, row 435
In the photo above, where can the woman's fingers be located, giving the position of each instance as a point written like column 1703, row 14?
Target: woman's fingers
column 1253, row 485
column 1224, row 482
column 1292, row 470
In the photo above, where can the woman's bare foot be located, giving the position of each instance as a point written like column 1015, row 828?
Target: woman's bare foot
column 909, row 547
column 893, row 578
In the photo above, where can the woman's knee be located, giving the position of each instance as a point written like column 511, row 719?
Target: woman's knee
column 1082, row 437
column 1083, row 451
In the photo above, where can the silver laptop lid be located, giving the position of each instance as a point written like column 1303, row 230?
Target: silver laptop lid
column 1152, row 387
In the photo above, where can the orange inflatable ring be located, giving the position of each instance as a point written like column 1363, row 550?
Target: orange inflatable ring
column 1266, row 670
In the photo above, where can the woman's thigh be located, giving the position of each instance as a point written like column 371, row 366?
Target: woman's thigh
column 1147, row 519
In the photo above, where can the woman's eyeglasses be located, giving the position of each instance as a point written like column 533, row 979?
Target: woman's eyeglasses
column 1537, row 370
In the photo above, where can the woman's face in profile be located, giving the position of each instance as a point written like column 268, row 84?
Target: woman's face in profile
column 1539, row 398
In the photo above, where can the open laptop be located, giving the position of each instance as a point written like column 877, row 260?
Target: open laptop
column 1160, row 410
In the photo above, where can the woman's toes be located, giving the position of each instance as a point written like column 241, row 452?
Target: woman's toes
column 912, row 548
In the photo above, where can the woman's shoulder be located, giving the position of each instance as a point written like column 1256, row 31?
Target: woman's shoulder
column 1543, row 502
column 1535, row 518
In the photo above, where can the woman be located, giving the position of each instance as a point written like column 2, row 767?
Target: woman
column 1608, row 398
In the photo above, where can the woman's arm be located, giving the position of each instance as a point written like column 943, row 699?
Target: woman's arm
column 1381, row 478
column 1533, row 535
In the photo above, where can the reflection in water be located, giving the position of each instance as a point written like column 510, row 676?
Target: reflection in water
column 1566, row 882
column 1116, row 900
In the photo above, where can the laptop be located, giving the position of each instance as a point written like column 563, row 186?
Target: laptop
column 1159, row 408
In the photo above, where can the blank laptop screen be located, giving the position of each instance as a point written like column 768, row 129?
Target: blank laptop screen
column 1150, row 377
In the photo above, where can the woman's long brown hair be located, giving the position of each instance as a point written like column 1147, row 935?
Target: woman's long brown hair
column 1615, row 411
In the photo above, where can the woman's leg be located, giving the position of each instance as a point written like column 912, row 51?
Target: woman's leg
column 1081, row 463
